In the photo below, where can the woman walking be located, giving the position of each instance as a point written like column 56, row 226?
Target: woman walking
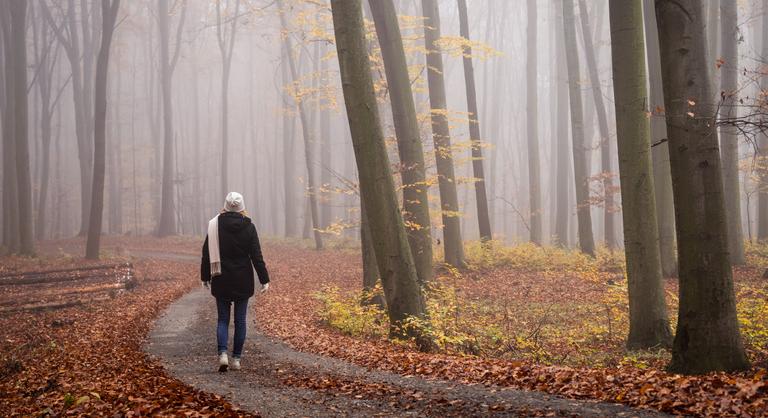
column 230, row 254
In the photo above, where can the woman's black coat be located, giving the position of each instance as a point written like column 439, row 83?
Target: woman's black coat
column 240, row 249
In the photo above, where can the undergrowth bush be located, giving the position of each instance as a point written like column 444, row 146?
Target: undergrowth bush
column 456, row 324
column 531, row 257
column 756, row 254
column 577, row 313
column 752, row 308
column 346, row 313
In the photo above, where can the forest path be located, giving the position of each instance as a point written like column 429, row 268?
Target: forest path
column 277, row 381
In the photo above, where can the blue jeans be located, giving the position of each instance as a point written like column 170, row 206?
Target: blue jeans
column 222, row 328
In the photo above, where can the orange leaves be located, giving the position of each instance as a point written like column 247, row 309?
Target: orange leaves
column 88, row 360
column 293, row 319
column 719, row 63
column 458, row 46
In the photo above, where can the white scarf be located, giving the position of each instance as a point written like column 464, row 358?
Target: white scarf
column 213, row 246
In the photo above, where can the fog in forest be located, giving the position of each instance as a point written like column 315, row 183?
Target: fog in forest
column 567, row 196
column 202, row 100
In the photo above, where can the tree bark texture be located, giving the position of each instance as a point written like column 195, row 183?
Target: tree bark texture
column 762, row 197
column 662, row 178
column 109, row 10
column 609, row 222
column 449, row 200
column 648, row 320
column 481, row 196
column 377, row 188
column 306, row 130
column 580, row 167
column 409, row 146
column 707, row 337
column 729, row 135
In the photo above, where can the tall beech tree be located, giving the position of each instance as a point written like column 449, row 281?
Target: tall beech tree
column 377, row 188
column 729, row 135
column 306, row 129
column 289, row 163
column 409, row 146
column 648, row 320
column 563, row 163
column 481, row 196
column 662, row 178
column 532, row 125
column 115, row 162
column 762, row 197
column 18, row 199
column 109, row 10
column 609, row 222
column 11, row 233
column 226, row 42
column 441, row 135
column 18, row 15
column 326, row 169
column 77, row 44
column 707, row 337
column 168, row 60
column 580, row 168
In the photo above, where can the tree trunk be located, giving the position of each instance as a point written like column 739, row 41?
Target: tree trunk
column 326, row 218
column 109, row 10
column 713, row 35
column 762, row 197
column 602, row 122
column 10, row 182
column 708, row 337
column 167, row 222
column 449, row 200
column 45, row 70
column 307, row 134
column 289, row 161
column 370, row 267
column 563, row 166
column 481, row 197
column 18, row 15
column 532, row 125
column 495, row 125
column 70, row 41
column 648, row 320
column 112, row 166
column 306, row 231
column 580, row 167
column 377, row 188
column 662, row 179
column 87, row 103
column 154, row 104
column 197, row 189
column 409, row 146
column 730, row 134
column 226, row 47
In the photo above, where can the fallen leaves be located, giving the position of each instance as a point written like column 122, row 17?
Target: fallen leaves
column 293, row 317
column 74, row 361
column 87, row 360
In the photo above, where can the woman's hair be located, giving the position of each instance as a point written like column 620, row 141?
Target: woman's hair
column 242, row 212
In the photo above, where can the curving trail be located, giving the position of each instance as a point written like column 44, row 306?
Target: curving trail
column 277, row 381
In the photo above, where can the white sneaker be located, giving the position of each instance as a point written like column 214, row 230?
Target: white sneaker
column 223, row 362
column 235, row 363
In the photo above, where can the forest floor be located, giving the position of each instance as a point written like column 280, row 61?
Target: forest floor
column 517, row 320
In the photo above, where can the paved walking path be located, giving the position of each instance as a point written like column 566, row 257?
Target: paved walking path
column 184, row 341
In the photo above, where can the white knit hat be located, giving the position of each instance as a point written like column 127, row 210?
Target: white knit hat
column 234, row 202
